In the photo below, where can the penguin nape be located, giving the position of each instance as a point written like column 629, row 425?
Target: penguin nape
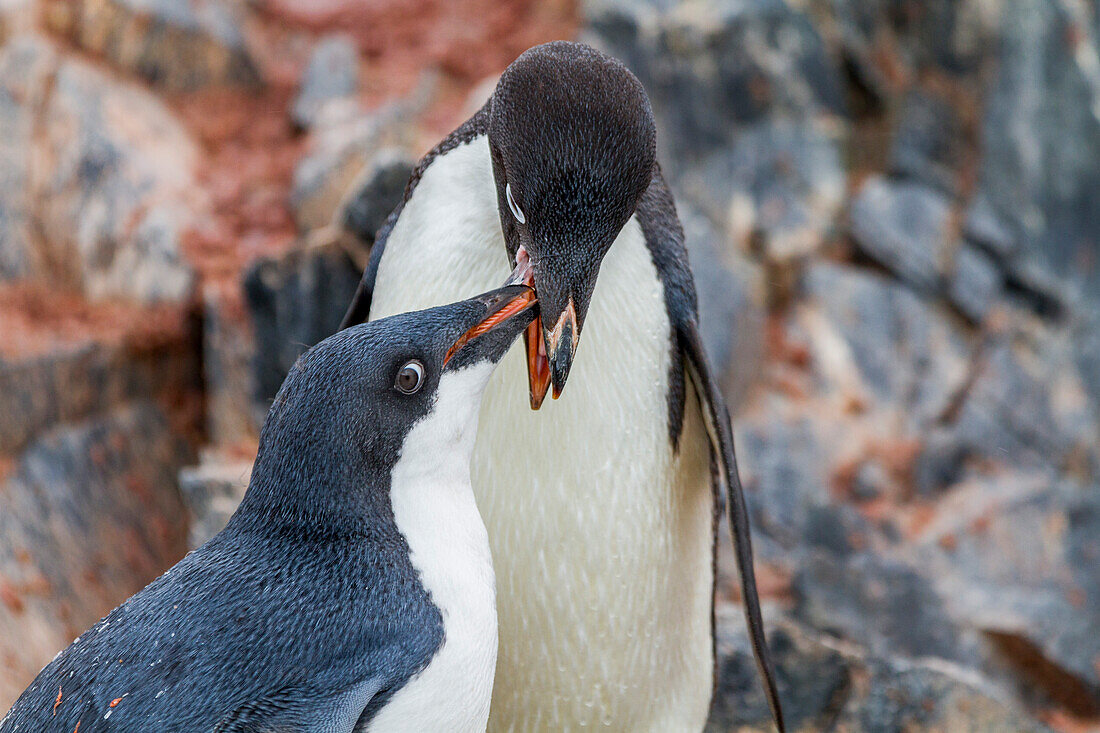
column 603, row 518
column 353, row 588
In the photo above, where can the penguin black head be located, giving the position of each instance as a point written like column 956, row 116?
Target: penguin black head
column 573, row 145
column 338, row 424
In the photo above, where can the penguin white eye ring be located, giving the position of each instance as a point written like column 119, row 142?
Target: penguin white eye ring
column 409, row 377
column 516, row 211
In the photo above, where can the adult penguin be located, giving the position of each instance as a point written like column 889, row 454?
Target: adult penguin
column 602, row 510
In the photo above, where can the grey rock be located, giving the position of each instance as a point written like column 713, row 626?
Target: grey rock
column 212, row 490
column 176, row 45
column 375, row 194
column 1008, row 413
column 1086, row 342
column 332, row 73
column 940, row 462
column 731, row 307
column 91, row 514
column 826, row 685
column 711, row 68
column 883, row 604
column 1018, row 557
column 26, row 65
column 295, row 301
column 784, row 463
column 987, row 229
column 1041, row 138
column 975, row 283
column 927, row 146
column 103, row 206
column 813, row 679
column 896, row 695
column 344, row 143
column 228, row 356
column 81, row 380
column 873, row 339
column 115, row 198
column 777, row 189
column 903, row 227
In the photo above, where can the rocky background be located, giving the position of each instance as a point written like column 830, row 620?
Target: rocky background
column 893, row 215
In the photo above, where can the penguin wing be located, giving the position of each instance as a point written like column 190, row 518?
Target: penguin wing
column 720, row 432
column 304, row 708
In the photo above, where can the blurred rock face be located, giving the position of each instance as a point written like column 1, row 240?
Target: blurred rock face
column 890, row 208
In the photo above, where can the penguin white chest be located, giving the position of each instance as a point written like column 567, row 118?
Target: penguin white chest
column 434, row 509
column 602, row 533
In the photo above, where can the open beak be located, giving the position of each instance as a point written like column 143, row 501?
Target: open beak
column 543, row 369
column 501, row 306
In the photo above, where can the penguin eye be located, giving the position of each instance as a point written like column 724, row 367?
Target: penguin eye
column 516, row 211
column 410, row 377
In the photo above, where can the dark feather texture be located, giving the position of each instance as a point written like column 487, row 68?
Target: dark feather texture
column 305, row 612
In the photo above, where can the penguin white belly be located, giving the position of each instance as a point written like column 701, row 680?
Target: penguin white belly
column 434, row 509
column 601, row 533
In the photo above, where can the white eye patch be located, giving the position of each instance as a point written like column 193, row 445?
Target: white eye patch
column 516, row 211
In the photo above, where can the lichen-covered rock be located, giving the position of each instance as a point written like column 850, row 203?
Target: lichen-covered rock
column 975, row 284
column 99, row 180
column 91, row 514
column 830, row 685
column 1041, row 139
column 375, row 194
column 711, row 68
column 927, row 147
column 344, row 142
column 1018, row 557
column 903, row 227
column 26, row 66
column 731, row 293
column 212, row 490
column 295, row 301
column 332, row 73
column 777, row 189
column 177, row 45
column 872, row 338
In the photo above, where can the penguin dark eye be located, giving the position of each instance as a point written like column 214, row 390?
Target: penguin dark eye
column 516, row 211
column 410, row 377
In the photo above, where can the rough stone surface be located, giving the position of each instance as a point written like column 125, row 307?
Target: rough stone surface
column 78, row 381
column 68, row 499
column 102, row 180
column 731, row 295
column 885, row 605
column 975, row 283
column 1041, row 134
column 177, row 45
column 374, row 195
column 777, row 189
column 927, row 146
column 903, row 227
column 1018, row 558
column 711, row 68
column 344, row 142
column 827, row 685
column 332, row 73
column 875, row 339
column 295, row 301
column 212, row 490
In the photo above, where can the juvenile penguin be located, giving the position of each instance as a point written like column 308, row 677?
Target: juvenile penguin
column 353, row 588
column 602, row 510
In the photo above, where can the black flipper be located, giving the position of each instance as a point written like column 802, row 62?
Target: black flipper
column 295, row 708
column 720, row 431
